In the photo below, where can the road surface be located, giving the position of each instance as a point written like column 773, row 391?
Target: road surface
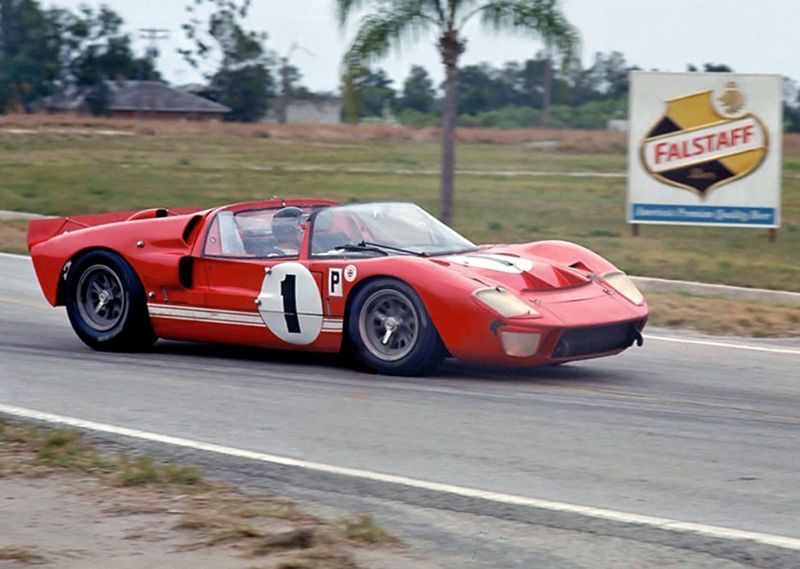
column 697, row 431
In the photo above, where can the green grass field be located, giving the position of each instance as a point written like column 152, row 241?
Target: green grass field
column 58, row 173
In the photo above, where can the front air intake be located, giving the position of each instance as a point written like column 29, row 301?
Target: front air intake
column 588, row 341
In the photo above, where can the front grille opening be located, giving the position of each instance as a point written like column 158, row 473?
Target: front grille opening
column 587, row 341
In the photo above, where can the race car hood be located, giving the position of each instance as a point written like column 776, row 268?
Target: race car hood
column 516, row 269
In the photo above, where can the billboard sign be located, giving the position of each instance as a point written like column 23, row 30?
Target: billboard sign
column 705, row 149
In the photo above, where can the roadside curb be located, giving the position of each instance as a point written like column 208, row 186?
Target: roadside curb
column 761, row 295
column 6, row 215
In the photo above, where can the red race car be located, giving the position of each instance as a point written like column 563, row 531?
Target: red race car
column 385, row 282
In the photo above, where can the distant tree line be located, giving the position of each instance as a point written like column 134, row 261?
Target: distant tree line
column 45, row 51
column 513, row 95
column 49, row 51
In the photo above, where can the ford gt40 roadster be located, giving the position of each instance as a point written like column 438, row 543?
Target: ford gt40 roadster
column 385, row 282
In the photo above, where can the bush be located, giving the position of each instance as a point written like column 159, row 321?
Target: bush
column 506, row 118
column 591, row 115
column 416, row 119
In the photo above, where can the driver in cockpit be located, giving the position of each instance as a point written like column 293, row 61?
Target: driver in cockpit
column 287, row 231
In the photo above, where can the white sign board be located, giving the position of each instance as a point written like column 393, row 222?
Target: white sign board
column 705, row 149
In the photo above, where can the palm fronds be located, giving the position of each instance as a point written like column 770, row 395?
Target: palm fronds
column 388, row 26
column 543, row 18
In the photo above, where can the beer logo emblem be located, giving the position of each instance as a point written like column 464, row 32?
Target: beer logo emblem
column 703, row 141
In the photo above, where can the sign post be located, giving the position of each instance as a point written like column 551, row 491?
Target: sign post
column 705, row 149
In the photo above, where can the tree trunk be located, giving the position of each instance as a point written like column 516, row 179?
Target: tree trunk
column 449, row 116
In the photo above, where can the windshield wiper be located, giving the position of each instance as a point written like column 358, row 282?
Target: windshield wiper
column 392, row 248
column 378, row 248
column 359, row 248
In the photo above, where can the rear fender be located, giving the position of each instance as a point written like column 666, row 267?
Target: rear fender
column 41, row 230
column 154, row 247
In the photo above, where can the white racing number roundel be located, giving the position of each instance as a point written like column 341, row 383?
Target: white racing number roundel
column 290, row 304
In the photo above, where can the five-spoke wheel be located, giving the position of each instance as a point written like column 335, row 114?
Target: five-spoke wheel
column 101, row 299
column 389, row 324
column 390, row 330
column 106, row 303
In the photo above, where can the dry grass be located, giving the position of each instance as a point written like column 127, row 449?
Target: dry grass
column 363, row 529
column 723, row 316
column 259, row 529
column 40, row 452
column 302, row 538
column 213, row 515
column 23, row 555
column 12, row 236
column 590, row 141
column 791, row 144
column 145, row 470
column 222, row 517
column 583, row 141
column 318, row 558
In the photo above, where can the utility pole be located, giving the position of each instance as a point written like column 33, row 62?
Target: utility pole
column 286, row 79
column 547, row 94
column 153, row 36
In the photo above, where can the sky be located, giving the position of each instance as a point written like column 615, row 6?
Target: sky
column 751, row 36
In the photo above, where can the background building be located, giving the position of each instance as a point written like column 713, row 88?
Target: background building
column 141, row 99
column 317, row 109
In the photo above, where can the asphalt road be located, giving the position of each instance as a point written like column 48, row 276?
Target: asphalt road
column 687, row 431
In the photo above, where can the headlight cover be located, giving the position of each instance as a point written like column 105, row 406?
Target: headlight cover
column 520, row 345
column 624, row 285
column 505, row 303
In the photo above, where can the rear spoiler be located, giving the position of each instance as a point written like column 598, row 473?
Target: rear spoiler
column 41, row 230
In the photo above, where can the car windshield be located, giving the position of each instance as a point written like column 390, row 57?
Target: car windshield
column 383, row 228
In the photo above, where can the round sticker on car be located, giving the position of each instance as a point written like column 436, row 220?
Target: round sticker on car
column 290, row 303
column 350, row 273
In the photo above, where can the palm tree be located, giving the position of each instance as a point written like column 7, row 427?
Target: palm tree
column 387, row 23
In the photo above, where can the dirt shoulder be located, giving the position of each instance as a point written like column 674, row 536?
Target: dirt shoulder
column 12, row 236
column 723, row 317
column 65, row 504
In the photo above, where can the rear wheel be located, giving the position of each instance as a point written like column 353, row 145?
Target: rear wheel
column 391, row 332
column 106, row 304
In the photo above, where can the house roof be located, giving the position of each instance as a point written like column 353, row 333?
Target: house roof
column 146, row 96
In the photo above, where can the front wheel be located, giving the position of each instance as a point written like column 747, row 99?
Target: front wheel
column 391, row 332
column 106, row 304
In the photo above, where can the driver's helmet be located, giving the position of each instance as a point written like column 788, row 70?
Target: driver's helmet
column 286, row 226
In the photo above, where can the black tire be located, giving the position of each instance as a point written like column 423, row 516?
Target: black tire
column 106, row 304
column 409, row 348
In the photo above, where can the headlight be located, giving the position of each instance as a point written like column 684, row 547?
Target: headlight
column 504, row 303
column 624, row 285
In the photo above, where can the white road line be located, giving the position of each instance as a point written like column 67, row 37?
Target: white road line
column 15, row 256
column 714, row 344
column 587, row 511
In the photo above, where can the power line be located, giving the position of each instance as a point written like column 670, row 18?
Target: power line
column 152, row 36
